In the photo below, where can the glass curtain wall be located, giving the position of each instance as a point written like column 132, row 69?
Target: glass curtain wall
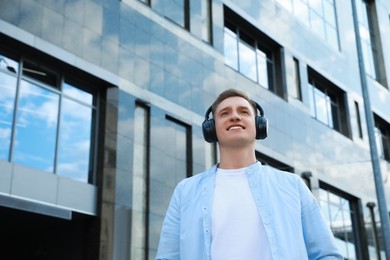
column 46, row 120
column 318, row 15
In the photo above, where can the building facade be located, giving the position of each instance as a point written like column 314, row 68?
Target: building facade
column 102, row 101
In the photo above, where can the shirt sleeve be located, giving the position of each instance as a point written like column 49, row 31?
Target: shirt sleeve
column 169, row 244
column 319, row 240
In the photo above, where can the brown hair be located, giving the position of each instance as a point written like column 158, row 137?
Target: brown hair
column 232, row 93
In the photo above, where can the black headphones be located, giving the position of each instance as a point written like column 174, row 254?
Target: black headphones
column 210, row 135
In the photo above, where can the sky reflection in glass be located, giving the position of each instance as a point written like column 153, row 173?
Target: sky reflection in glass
column 36, row 127
column 7, row 100
column 75, row 134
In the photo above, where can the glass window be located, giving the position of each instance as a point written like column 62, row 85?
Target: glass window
column 247, row 60
column 338, row 214
column 297, row 80
column 175, row 10
column 316, row 23
column 45, row 123
column 331, row 35
column 327, row 103
column 78, row 94
column 358, row 120
column 36, row 127
column 8, row 80
column 301, row 11
column 262, row 68
column 207, row 25
column 370, row 41
column 321, row 106
column 231, row 48
column 312, row 101
column 382, row 136
column 252, row 53
column 318, row 15
column 75, row 134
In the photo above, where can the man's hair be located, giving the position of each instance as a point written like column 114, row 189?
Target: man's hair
column 232, row 93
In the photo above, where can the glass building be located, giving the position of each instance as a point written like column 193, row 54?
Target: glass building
column 102, row 101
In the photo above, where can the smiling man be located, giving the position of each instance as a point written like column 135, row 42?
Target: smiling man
column 239, row 209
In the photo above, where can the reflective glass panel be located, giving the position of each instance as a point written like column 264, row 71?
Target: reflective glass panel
column 74, row 140
column 315, row 14
column 301, row 11
column 262, row 68
column 174, row 10
column 7, row 100
column 316, row 5
column 311, row 100
column 206, row 20
column 247, row 60
column 379, row 144
column 230, row 48
column 321, row 106
column 36, row 127
column 317, row 24
column 285, row 3
column 78, row 94
column 338, row 214
column 331, row 35
column 329, row 13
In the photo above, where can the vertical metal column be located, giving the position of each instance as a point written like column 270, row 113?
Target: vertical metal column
column 382, row 206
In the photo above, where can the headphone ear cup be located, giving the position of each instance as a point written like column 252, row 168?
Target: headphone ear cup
column 261, row 127
column 209, row 133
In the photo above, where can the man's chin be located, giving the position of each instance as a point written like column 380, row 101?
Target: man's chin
column 237, row 141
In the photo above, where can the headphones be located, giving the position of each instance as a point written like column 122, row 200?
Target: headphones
column 210, row 134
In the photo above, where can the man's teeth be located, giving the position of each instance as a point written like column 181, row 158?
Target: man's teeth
column 235, row 127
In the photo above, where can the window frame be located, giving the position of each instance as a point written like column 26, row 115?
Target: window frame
column 61, row 74
column 260, row 42
column 356, row 216
column 382, row 131
column 336, row 103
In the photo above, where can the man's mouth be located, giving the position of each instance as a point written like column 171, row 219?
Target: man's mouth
column 234, row 127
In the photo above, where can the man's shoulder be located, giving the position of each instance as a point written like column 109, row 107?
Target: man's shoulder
column 278, row 175
column 198, row 178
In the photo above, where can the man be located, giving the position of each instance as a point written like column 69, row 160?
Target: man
column 239, row 209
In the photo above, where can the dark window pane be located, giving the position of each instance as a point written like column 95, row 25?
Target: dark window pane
column 41, row 74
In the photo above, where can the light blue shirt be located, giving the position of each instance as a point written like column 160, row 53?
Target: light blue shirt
column 291, row 216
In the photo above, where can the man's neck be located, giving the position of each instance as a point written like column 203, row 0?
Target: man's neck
column 236, row 158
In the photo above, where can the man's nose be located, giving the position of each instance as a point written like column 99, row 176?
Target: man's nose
column 235, row 116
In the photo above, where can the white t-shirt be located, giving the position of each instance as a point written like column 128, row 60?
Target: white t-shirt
column 237, row 230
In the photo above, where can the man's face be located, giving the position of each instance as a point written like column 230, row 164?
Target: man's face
column 235, row 122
